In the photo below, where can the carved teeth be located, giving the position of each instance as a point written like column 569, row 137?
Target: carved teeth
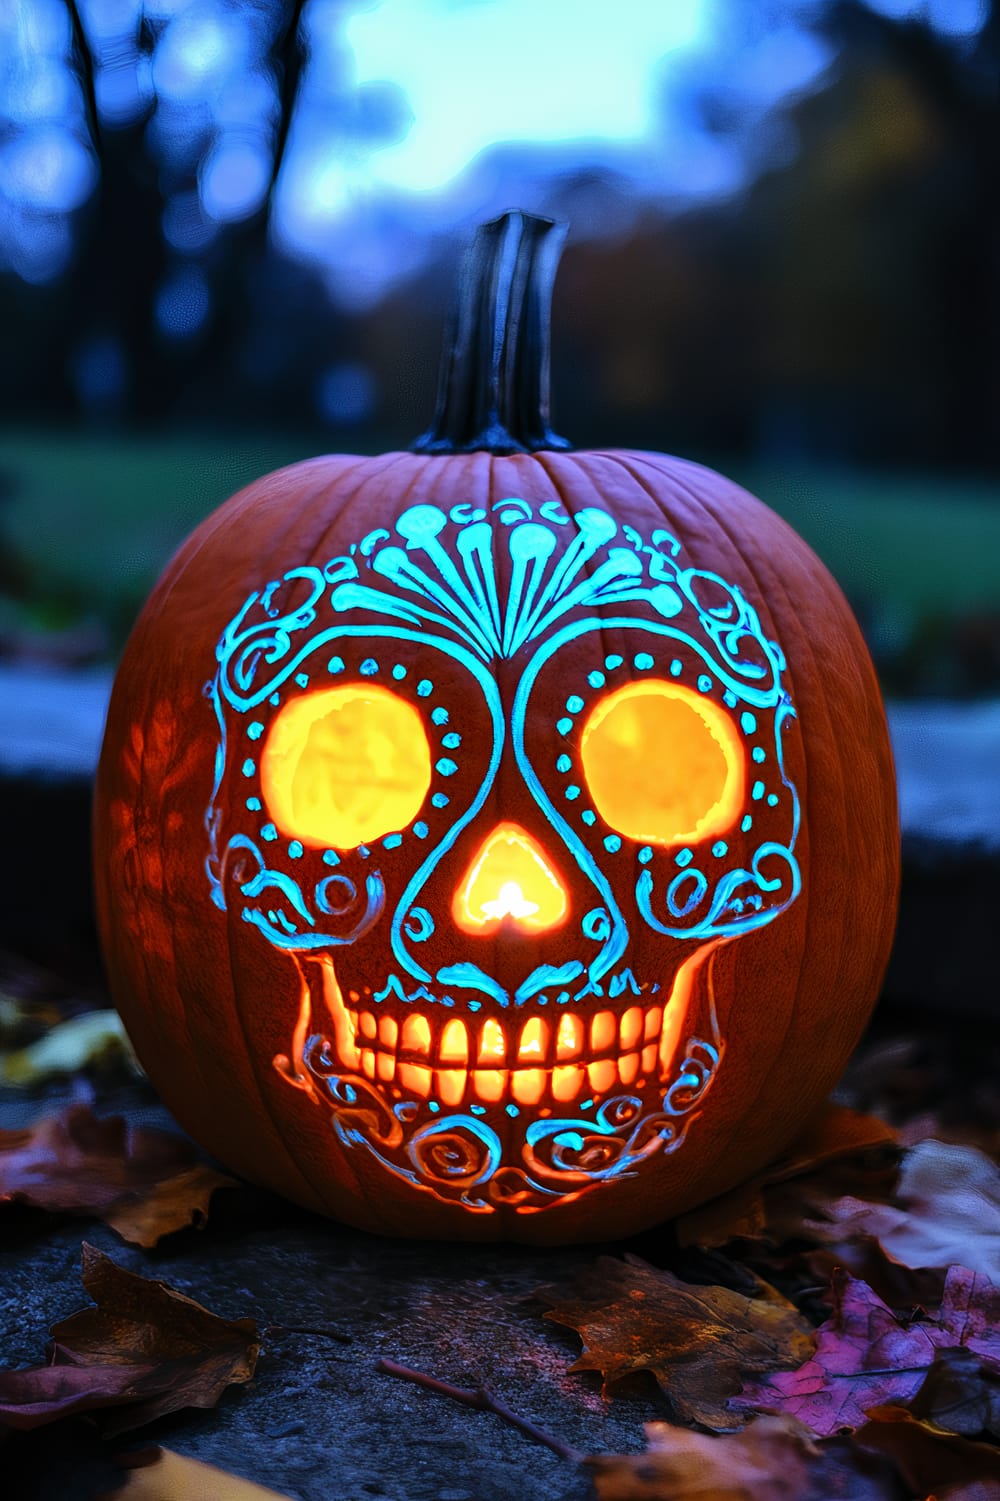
column 464, row 1059
column 416, row 1034
column 569, row 1038
column 603, row 1031
column 454, row 1042
column 603, row 1075
column 533, row 1039
column 631, row 1027
column 492, row 1048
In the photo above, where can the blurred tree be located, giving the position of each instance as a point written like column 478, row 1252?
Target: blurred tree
column 832, row 290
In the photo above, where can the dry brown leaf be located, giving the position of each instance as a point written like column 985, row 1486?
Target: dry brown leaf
column 698, row 1342
column 773, row 1457
column 162, row 1475
column 174, row 1204
column 144, row 1183
column 145, row 1348
column 833, row 1134
column 930, row 1460
column 961, row 1393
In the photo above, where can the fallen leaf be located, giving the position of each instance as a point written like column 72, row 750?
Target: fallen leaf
column 961, row 1393
column 866, row 1356
column 833, row 1134
column 946, row 1210
column 96, row 1037
column 143, row 1182
column 145, row 1348
column 174, row 1203
column 931, row 1461
column 901, row 1287
column 162, row 1475
column 774, row 1457
column 698, row 1342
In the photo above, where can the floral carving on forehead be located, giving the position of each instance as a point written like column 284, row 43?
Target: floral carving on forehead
column 365, row 709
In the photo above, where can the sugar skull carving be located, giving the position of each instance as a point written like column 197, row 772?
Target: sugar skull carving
column 510, row 778
column 494, row 840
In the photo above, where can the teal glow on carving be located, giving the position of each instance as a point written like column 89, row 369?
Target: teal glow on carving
column 757, row 792
column 335, row 664
column 564, row 726
column 330, row 857
column 439, row 716
column 392, row 841
column 295, row 850
column 254, row 804
column 249, row 767
column 368, row 668
column 474, row 588
column 269, row 832
column 302, row 678
column 572, row 792
column 704, row 683
column 574, row 703
column 748, row 722
column 746, row 823
column 683, row 857
column 512, row 1111
column 399, row 672
column 772, row 800
column 759, row 754
column 419, row 926
column 446, row 766
column 612, row 843
column 451, row 741
column 255, row 730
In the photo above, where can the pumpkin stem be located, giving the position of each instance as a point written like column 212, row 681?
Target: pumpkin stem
column 493, row 388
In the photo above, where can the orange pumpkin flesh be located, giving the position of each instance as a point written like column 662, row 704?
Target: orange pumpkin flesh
column 268, row 996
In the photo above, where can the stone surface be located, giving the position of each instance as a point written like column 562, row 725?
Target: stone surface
column 319, row 1422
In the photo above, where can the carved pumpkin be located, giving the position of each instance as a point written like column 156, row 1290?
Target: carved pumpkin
column 495, row 840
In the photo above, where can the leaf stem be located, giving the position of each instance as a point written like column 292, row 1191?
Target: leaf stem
column 484, row 1400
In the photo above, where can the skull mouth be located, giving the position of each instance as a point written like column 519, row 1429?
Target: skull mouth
column 521, row 1059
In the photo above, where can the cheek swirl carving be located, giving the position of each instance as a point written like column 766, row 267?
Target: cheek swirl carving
column 461, row 1158
column 470, row 589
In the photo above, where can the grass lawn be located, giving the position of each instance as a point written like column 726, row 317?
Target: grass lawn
column 86, row 523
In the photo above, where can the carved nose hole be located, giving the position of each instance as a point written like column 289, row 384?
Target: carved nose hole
column 509, row 880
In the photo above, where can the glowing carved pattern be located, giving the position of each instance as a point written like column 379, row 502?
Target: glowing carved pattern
column 431, row 587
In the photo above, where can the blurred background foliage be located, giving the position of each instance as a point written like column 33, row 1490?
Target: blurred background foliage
column 229, row 231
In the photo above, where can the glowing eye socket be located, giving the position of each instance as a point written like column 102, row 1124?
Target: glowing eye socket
column 663, row 765
column 343, row 765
